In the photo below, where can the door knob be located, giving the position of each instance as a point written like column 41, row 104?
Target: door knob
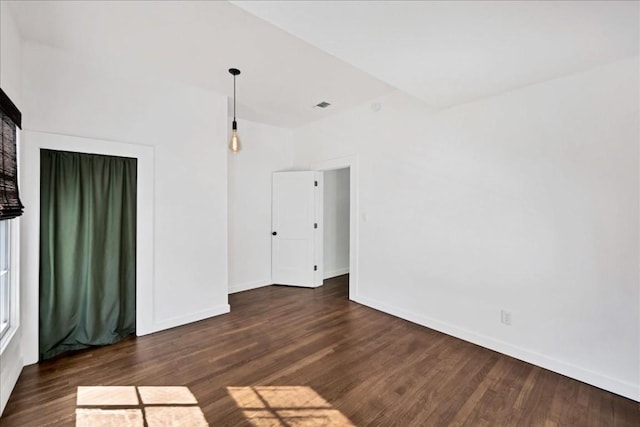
column 275, row 233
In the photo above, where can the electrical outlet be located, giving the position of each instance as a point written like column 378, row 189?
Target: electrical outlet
column 505, row 317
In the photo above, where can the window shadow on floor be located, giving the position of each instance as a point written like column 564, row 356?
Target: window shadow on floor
column 143, row 406
column 286, row 406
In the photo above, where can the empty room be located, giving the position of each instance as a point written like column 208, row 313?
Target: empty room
column 319, row 213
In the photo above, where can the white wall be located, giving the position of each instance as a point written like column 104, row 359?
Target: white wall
column 336, row 222
column 10, row 78
column 10, row 55
column 526, row 201
column 266, row 149
column 187, row 128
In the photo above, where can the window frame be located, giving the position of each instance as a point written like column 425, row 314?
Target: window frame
column 5, row 277
column 13, row 270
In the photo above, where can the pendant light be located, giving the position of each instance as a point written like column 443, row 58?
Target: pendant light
column 234, row 144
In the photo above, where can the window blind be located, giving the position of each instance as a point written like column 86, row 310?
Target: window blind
column 10, row 120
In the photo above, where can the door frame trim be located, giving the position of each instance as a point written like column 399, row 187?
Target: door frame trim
column 350, row 162
column 31, row 144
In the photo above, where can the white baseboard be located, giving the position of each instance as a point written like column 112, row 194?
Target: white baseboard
column 248, row 286
column 11, row 363
column 337, row 272
column 160, row 325
column 623, row 388
column 8, row 383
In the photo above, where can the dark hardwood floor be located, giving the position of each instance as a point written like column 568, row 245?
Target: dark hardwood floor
column 289, row 356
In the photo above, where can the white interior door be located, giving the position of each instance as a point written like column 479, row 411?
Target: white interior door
column 296, row 241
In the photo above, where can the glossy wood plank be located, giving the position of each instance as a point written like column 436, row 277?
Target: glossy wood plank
column 375, row 369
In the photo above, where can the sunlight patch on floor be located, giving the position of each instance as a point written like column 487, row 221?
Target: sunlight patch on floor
column 166, row 416
column 286, row 406
column 166, row 395
column 109, row 418
column 130, row 406
column 107, row 396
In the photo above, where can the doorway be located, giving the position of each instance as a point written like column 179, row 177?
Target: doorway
column 307, row 203
column 32, row 144
column 336, row 232
column 87, row 250
column 350, row 163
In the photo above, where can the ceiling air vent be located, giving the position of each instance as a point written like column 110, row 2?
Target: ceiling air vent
column 323, row 104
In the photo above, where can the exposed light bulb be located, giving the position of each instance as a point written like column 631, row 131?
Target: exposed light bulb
column 234, row 144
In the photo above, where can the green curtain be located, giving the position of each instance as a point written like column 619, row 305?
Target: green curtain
column 87, row 250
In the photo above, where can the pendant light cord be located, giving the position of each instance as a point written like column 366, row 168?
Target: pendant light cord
column 234, row 98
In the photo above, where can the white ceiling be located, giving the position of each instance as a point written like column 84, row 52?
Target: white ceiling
column 196, row 43
column 450, row 52
column 294, row 54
